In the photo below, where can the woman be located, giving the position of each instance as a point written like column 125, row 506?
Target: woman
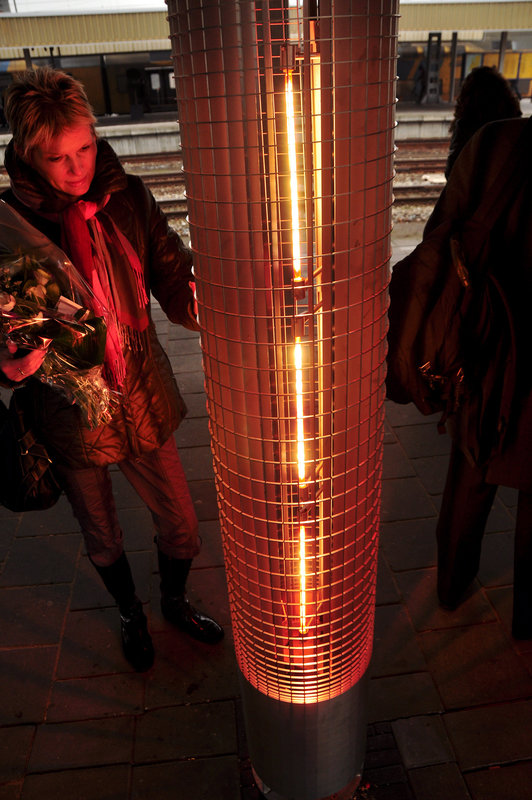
column 504, row 441
column 70, row 185
column 485, row 96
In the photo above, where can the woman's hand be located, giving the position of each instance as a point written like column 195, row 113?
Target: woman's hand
column 18, row 369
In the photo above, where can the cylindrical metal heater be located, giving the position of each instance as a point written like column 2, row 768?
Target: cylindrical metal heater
column 286, row 110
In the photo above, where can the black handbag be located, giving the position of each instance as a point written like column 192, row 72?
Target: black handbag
column 27, row 480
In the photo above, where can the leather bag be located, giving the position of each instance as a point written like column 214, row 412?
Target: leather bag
column 27, row 480
column 454, row 349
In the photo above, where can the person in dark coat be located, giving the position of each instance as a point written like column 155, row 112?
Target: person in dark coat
column 471, row 484
column 70, row 186
column 485, row 96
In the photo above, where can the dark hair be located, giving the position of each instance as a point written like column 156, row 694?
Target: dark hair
column 484, row 97
column 40, row 104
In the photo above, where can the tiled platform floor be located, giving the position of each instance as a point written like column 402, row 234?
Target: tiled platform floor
column 450, row 696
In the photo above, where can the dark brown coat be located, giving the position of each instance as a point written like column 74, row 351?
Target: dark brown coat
column 509, row 244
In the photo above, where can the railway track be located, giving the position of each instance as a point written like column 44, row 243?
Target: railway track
column 421, row 193
column 162, row 173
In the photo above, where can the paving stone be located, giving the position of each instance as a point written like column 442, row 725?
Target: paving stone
column 381, row 757
column 188, row 361
column 389, row 436
column 432, row 472
column 91, row 645
column 474, row 665
column 386, row 589
column 405, row 498
column 395, row 462
column 33, row 615
column 501, row 599
column 196, row 404
column 439, row 782
column 181, row 347
column 409, row 544
column 42, row 560
column 204, row 498
column 58, row 519
column 193, row 432
column 26, row 677
column 191, row 672
column 102, row 783
column 499, row 519
column 11, row 791
column 422, row 741
column 395, row 648
column 200, row 779
column 380, row 741
column 109, row 695
column 392, row 779
column 188, row 382
column 492, row 735
column 89, row 743
column 8, row 526
column 497, row 560
column 191, row 731
column 124, row 494
column 513, row 782
column 15, row 746
column 399, row 415
column 508, row 497
column 137, row 525
column 418, row 588
column 211, row 553
column 402, row 696
column 421, row 441
column 197, row 462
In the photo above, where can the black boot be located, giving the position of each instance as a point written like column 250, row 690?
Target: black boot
column 175, row 605
column 136, row 640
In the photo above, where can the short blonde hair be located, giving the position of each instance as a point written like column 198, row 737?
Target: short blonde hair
column 40, row 104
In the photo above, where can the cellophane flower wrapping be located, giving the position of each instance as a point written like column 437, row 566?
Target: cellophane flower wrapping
column 46, row 303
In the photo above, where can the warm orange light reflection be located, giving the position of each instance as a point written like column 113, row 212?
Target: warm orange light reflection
column 302, row 581
column 298, row 359
column 298, row 347
column 292, row 162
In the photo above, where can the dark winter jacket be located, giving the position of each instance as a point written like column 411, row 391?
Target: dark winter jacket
column 508, row 245
column 151, row 407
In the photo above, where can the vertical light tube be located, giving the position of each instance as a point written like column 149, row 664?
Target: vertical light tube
column 286, row 111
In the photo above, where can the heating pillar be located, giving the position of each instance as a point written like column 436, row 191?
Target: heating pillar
column 286, row 111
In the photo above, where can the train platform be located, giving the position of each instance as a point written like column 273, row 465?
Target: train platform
column 450, row 699
column 154, row 133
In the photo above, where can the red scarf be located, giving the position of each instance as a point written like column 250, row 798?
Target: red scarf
column 112, row 268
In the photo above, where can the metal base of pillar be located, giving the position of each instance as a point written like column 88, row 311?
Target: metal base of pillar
column 309, row 751
column 347, row 793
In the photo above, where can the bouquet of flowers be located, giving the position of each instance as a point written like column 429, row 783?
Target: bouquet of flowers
column 45, row 303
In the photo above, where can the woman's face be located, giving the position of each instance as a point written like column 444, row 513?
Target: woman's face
column 68, row 161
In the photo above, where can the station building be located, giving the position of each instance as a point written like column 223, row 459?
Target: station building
column 123, row 56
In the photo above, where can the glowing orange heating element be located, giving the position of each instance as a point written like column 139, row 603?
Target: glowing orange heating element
column 292, row 161
column 298, row 348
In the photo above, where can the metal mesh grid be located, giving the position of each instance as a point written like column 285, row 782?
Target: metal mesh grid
column 286, row 113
